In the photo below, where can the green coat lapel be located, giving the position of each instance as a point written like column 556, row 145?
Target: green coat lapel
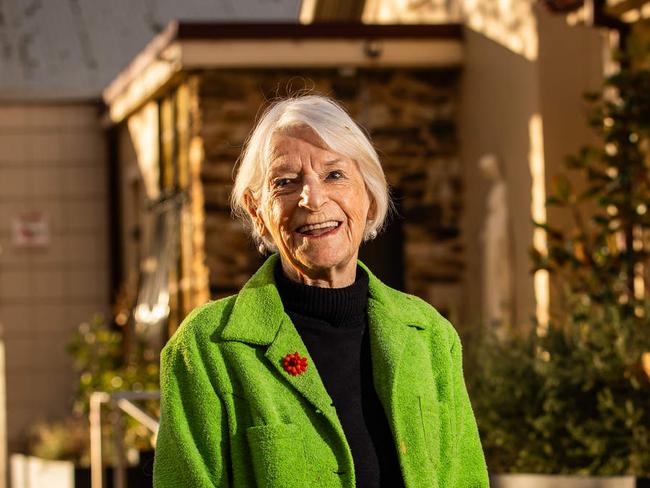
column 309, row 383
column 393, row 325
column 258, row 318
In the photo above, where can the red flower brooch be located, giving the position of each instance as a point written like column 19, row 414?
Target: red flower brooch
column 294, row 364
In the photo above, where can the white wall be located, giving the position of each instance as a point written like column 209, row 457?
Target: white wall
column 501, row 91
column 498, row 97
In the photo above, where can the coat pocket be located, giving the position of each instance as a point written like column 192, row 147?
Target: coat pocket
column 278, row 455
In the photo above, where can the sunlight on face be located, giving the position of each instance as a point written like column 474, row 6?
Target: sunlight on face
column 315, row 207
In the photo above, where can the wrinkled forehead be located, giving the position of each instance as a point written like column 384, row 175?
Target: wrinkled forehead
column 284, row 140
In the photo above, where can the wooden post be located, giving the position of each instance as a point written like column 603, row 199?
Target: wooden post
column 119, row 470
column 96, row 468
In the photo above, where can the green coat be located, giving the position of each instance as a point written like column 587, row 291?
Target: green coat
column 231, row 416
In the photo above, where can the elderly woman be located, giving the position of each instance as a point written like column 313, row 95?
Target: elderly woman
column 315, row 373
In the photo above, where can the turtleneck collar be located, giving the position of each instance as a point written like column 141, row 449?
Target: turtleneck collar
column 339, row 307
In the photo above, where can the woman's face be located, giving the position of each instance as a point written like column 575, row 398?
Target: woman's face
column 315, row 207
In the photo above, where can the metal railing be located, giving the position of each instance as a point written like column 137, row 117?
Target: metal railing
column 120, row 403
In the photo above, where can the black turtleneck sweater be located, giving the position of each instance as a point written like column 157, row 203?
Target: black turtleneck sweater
column 333, row 324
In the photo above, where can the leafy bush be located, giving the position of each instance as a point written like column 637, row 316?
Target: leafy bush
column 66, row 440
column 573, row 401
column 98, row 359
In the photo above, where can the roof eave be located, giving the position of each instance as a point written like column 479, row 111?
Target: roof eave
column 187, row 46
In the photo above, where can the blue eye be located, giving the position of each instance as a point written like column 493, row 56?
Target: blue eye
column 335, row 175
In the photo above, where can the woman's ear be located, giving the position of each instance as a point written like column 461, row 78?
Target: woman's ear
column 372, row 209
column 255, row 213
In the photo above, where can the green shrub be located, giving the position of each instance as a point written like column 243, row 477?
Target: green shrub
column 575, row 400
column 98, row 357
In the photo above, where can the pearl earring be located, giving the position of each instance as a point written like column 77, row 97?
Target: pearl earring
column 262, row 248
column 372, row 235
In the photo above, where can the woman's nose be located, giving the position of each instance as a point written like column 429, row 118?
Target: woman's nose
column 313, row 194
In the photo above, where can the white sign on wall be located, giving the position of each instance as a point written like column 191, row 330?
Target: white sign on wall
column 31, row 229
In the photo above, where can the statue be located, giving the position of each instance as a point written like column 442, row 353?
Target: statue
column 496, row 239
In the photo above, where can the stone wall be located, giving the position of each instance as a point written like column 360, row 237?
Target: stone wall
column 411, row 118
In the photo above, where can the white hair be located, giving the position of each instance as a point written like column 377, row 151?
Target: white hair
column 337, row 130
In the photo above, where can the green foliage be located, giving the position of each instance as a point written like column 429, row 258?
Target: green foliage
column 97, row 352
column 64, row 440
column 600, row 255
column 573, row 401
column 506, row 396
column 98, row 359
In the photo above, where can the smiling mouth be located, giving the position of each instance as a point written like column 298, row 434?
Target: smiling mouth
column 318, row 229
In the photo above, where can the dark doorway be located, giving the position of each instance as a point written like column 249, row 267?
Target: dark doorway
column 385, row 255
